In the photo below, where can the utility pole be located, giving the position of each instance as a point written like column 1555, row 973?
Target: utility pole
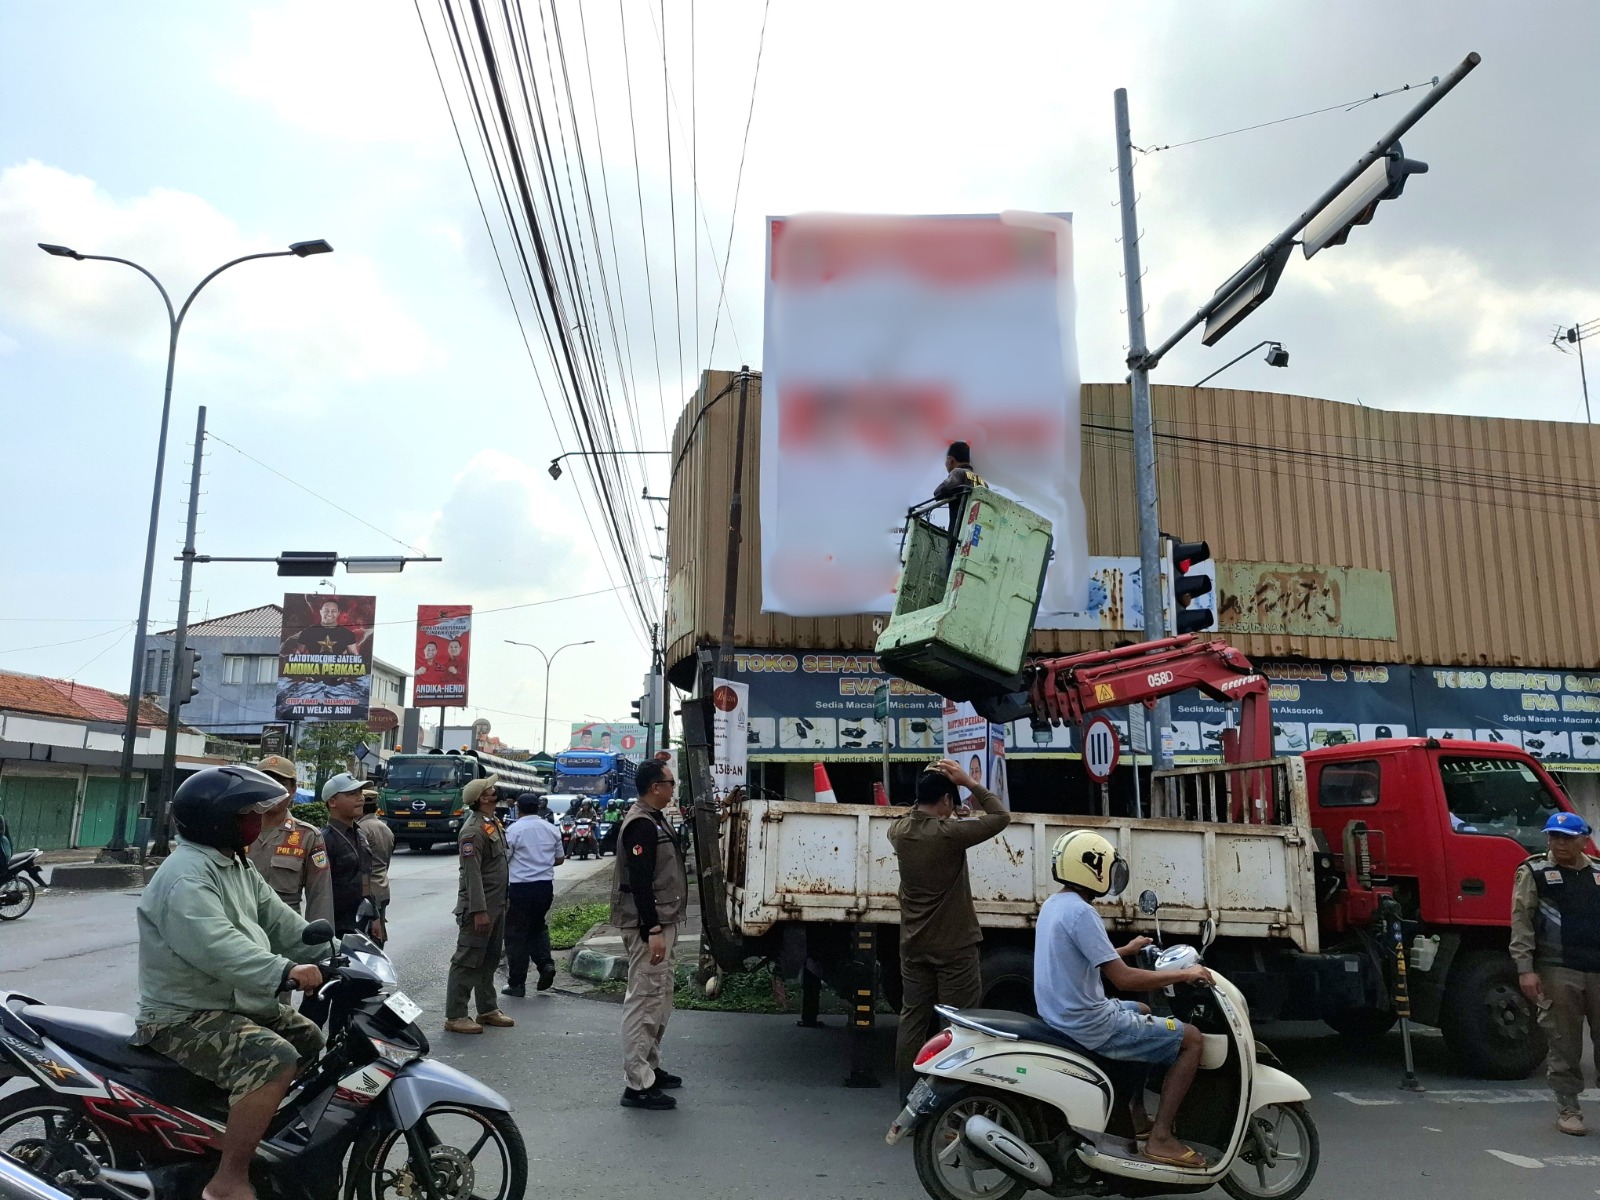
column 177, row 694
column 1576, row 335
column 1144, row 435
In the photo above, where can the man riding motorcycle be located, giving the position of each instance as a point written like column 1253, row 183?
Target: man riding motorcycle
column 1074, row 960
column 216, row 946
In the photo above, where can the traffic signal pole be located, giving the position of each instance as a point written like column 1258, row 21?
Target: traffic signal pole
column 1144, row 439
column 179, row 678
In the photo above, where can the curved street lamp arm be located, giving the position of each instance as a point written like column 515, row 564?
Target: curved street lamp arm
column 172, row 318
column 182, row 312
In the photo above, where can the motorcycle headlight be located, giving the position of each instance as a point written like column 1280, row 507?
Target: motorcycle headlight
column 392, row 1054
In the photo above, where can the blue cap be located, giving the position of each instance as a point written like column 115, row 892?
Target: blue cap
column 1568, row 824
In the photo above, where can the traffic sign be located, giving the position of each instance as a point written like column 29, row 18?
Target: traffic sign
column 1100, row 749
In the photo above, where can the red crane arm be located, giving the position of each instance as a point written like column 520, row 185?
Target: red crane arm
column 1066, row 689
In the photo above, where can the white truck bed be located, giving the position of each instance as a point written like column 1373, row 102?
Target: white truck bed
column 795, row 861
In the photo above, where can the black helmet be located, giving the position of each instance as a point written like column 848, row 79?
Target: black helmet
column 207, row 807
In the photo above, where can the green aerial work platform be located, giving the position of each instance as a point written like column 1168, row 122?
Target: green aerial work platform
column 966, row 603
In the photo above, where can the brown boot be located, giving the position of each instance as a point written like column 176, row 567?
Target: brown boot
column 1571, row 1121
column 496, row 1018
column 462, row 1025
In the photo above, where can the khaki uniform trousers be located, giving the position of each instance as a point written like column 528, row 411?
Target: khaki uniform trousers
column 954, row 980
column 472, row 967
column 646, row 1007
column 1573, row 998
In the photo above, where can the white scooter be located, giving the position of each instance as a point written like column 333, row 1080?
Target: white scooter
column 1007, row 1104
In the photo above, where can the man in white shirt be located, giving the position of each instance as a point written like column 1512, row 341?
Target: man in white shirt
column 535, row 848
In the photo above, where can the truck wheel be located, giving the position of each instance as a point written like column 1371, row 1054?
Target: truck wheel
column 1362, row 1024
column 1008, row 979
column 1487, row 1022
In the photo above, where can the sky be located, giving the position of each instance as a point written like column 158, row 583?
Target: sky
column 383, row 399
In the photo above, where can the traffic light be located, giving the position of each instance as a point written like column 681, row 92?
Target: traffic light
column 1188, row 586
column 638, row 711
column 187, row 679
column 1385, row 179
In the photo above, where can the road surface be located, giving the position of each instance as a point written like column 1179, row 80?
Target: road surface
column 763, row 1115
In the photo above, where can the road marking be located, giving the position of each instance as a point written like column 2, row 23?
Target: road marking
column 1431, row 1129
column 1574, row 1160
column 1364, row 1102
column 1516, row 1160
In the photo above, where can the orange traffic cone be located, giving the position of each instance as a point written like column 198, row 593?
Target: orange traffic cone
column 879, row 796
column 819, row 779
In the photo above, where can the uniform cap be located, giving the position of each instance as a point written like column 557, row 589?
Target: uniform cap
column 476, row 788
column 279, row 766
column 1567, row 824
column 341, row 783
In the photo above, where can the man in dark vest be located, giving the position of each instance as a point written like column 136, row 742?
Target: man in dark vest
column 1555, row 942
column 648, row 891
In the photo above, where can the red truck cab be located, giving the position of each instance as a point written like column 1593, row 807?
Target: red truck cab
column 1447, row 823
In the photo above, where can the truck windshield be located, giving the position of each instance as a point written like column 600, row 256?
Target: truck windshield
column 425, row 776
column 1497, row 796
column 586, row 785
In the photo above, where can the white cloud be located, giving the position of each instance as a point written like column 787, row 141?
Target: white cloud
column 288, row 322
column 354, row 70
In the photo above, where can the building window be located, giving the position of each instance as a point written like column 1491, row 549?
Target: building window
column 267, row 668
column 233, row 668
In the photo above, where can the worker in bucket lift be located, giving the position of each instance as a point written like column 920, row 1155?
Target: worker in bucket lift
column 958, row 484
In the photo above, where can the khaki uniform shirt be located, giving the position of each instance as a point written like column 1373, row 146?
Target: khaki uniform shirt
column 380, row 839
column 294, row 862
column 936, row 914
column 485, row 867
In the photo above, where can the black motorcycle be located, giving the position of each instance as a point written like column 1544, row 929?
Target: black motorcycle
column 373, row 1118
column 18, row 878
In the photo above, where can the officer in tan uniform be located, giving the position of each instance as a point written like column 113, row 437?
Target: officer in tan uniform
column 380, row 840
column 289, row 853
column 480, row 913
column 648, row 891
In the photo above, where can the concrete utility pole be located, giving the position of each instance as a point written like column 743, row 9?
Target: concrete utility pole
column 1144, row 430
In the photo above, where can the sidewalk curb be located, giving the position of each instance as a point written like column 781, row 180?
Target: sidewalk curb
column 99, row 876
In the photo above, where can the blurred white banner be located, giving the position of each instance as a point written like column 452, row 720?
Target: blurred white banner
column 888, row 338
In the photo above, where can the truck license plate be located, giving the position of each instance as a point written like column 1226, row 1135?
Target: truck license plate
column 416, row 824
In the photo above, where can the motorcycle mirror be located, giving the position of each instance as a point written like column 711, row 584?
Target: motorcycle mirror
column 1208, row 933
column 1148, row 903
column 366, row 910
column 317, row 932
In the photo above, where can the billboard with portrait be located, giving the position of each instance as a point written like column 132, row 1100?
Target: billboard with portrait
column 444, row 655
column 325, row 657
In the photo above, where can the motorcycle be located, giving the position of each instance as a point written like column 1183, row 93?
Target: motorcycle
column 566, row 824
column 19, row 1183
column 1007, row 1104
column 584, row 843
column 18, row 878
column 373, row 1117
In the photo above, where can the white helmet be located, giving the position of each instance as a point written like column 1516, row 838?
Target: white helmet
column 1085, row 859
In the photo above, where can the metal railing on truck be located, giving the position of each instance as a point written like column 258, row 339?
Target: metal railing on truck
column 1253, row 793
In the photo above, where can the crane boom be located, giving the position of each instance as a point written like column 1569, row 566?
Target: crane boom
column 1066, row 689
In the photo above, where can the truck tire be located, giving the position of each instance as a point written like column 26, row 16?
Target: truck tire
column 1008, row 979
column 1362, row 1024
column 1487, row 1022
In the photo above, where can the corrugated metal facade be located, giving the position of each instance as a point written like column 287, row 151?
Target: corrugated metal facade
column 1490, row 528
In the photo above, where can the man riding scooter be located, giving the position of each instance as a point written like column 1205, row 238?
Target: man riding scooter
column 1074, row 960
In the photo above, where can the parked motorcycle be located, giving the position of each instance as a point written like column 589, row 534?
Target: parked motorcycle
column 1007, row 1104
column 18, row 879
column 373, row 1118
column 584, row 843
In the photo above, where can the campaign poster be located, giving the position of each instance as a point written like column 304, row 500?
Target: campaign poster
column 730, row 703
column 887, row 339
column 325, row 657
column 444, row 655
column 609, row 737
column 976, row 746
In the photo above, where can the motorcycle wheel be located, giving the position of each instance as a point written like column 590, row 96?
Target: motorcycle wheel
column 1279, row 1158
column 16, row 898
column 950, row 1169
column 474, row 1153
column 30, row 1120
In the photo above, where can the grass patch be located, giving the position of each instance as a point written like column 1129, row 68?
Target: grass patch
column 748, row 992
column 570, row 922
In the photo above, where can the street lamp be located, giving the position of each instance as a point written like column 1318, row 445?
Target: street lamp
column 1276, row 357
column 544, row 728
column 555, row 463
column 116, row 849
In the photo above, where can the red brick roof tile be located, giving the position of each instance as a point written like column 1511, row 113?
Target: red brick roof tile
column 74, row 701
